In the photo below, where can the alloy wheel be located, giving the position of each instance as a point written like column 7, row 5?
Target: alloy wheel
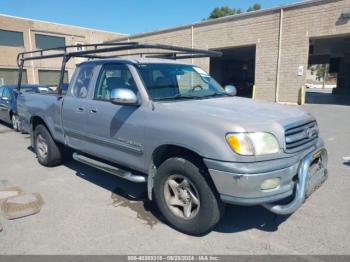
column 181, row 197
column 14, row 122
column 41, row 146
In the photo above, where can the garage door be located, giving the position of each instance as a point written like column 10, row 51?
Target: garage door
column 51, row 77
column 10, row 76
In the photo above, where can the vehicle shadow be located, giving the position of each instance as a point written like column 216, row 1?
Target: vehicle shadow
column 134, row 196
column 7, row 127
column 123, row 193
column 31, row 149
column 241, row 218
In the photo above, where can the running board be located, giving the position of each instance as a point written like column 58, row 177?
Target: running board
column 109, row 169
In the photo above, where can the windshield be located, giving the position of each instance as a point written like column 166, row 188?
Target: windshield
column 175, row 81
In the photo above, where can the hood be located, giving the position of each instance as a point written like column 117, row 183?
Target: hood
column 241, row 111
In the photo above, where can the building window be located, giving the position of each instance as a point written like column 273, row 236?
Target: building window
column 11, row 38
column 48, row 41
column 10, row 76
column 51, row 77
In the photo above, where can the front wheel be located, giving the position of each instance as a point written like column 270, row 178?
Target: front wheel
column 185, row 197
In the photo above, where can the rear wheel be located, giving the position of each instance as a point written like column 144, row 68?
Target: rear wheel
column 48, row 152
column 185, row 197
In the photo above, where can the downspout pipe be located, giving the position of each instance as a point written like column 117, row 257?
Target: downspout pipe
column 30, row 49
column 192, row 41
column 279, row 56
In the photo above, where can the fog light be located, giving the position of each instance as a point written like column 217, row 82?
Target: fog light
column 271, row 183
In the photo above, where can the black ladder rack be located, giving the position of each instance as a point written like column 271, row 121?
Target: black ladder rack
column 94, row 51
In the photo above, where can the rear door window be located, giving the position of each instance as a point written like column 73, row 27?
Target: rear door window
column 82, row 81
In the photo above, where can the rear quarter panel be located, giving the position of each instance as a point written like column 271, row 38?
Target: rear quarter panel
column 45, row 106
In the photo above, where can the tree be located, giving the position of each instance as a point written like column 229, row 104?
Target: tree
column 322, row 73
column 226, row 10
column 254, row 7
column 223, row 11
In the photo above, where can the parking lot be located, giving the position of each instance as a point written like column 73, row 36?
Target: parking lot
column 87, row 211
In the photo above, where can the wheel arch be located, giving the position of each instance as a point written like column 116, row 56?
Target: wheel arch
column 34, row 122
column 164, row 152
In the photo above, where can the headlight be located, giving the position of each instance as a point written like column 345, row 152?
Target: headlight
column 250, row 144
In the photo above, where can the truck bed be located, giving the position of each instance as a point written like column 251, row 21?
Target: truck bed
column 44, row 105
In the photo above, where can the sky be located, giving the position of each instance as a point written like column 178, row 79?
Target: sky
column 127, row 16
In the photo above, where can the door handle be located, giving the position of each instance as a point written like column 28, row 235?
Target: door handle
column 94, row 110
column 80, row 109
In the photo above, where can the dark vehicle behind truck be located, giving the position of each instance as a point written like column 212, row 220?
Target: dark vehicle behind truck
column 8, row 102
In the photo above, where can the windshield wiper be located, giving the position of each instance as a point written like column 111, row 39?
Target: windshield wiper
column 178, row 96
column 214, row 95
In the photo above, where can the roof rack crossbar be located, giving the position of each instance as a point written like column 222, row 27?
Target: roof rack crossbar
column 176, row 52
column 176, row 57
column 114, row 47
column 75, row 46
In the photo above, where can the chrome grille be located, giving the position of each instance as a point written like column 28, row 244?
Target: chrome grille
column 302, row 136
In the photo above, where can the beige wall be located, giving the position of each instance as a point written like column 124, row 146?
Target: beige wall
column 255, row 30
column 299, row 24
column 29, row 28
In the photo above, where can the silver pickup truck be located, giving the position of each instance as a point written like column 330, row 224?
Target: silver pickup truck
column 170, row 125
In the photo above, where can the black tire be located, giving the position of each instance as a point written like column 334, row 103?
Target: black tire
column 211, row 208
column 53, row 156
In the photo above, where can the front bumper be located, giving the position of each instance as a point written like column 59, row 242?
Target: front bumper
column 299, row 178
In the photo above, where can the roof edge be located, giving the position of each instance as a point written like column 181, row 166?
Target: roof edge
column 222, row 19
column 54, row 23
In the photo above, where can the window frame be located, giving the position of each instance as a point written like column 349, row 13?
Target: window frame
column 16, row 71
column 48, row 36
column 72, row 84
column 52, row 70
column 16, row 32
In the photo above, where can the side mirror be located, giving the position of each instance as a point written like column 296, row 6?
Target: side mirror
column 230, row 90
column 122, row 96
